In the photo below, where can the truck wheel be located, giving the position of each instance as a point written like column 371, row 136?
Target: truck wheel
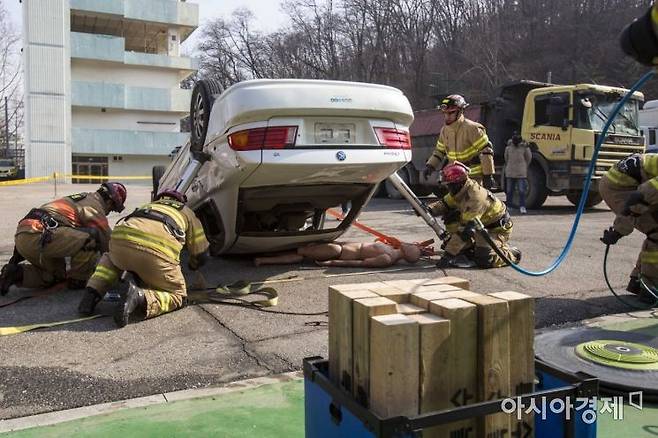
column 391, row 191
column 537, row 190
column 157, row 173
column 593, row 198
column 203, row 96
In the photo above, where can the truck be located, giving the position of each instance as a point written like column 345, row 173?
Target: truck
column 561, row 123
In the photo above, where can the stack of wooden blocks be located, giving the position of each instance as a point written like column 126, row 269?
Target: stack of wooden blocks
column 408, row 347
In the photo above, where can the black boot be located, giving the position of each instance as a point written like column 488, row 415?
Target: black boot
column 135, row 300
column 634, row 286
column 516, row 252
column 10, row 274
column 89, row 301
column 74, row 283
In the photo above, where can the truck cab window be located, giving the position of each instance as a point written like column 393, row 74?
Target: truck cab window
column 551, row 109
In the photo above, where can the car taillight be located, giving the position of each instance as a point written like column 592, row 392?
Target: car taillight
column 393, row 138
column 273, row 137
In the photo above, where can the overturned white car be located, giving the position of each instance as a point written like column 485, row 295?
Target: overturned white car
column 281, row 152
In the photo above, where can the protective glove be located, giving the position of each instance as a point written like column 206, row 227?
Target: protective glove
column 468, row 232
column 611, row 236
column 635, row 205
column 488, row 182
column 427, row 172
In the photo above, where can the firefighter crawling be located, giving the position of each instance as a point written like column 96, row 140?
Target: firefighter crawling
column 74, row 226
column 466, row 201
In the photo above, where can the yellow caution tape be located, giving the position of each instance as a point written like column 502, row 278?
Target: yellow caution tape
column 115, row 177
column 6, row 331
column 18, row 182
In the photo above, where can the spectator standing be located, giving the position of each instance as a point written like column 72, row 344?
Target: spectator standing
column 517, row 160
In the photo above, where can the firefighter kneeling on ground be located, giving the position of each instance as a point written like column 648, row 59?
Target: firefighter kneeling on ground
column 630, row 188
column 74, row 226
column 148, row 243
column 472, row 201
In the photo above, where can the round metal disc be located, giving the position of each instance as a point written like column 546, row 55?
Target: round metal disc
column 620, row 354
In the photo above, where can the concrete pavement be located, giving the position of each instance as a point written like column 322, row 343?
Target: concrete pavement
column 204, row 345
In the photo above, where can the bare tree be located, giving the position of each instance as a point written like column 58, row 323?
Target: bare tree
column 11, row 89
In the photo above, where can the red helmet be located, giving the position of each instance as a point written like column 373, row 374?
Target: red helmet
column 171, row 193
column 455, row 172
column 115, row 192
column 454, row 102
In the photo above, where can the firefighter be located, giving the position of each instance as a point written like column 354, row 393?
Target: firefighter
column 473, row 201
column 630, row 189
column 640, row 38
column 74, row 226
column 462, row 140
column 147, row 243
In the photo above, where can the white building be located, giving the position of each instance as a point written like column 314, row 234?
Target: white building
column 102, row 94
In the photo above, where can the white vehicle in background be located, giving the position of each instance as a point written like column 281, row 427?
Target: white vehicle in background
column 648, row 118
column 284, row 151
column 8, row 168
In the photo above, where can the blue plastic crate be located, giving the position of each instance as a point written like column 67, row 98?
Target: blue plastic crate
column 330, row 413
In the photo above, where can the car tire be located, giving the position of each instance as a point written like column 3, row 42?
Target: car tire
column 391, row 191
column 537, row 190
column 203, row 97
column 593, row 198
column 157, row 173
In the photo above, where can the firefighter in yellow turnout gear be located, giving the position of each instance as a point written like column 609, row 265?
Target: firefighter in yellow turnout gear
column 74, row 226
column 148, row 244
column 472, row 201
column 630, row 188
column 462, row 140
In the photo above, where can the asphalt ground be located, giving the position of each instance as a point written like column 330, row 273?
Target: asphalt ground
column 203, row 345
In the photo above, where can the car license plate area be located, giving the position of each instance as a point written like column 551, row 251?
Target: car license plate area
column 335, row 133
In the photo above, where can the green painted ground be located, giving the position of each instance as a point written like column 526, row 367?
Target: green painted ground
column 275, row 411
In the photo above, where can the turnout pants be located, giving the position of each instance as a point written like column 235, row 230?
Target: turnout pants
column 162, row 280
column 47, row 264
column 483, row 255
column 647, row 224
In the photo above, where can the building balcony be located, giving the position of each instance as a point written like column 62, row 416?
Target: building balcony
column 120, row 96
column 124, row 142
column 155, row 11
column 111, row 49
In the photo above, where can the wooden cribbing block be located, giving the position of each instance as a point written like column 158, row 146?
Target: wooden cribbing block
column 410, row 286
column 410, row 309
column 522, row 353
column 355, row 286
column 394, row 365
column 456, row 383
column 422, row 299
column 461, row 283
column 493, row 359
column 340, row 334
column 391, row 292
column 434, row 348
column 363, row 310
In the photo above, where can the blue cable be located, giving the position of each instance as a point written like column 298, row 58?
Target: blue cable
column 588, row 183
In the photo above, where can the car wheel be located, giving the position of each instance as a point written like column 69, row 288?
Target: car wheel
column 593, row 198
column 391, row 191
column 157, row 174
column 203, row 96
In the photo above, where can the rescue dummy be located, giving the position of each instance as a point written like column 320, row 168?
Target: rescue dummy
column 462, row 140
column 347, row 254
column 630, row 189
column 74, row 226
column 467, row 201
column 148, row 243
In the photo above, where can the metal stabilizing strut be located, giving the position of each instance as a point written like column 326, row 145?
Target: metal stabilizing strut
column 191, row 171
column 418, row 206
